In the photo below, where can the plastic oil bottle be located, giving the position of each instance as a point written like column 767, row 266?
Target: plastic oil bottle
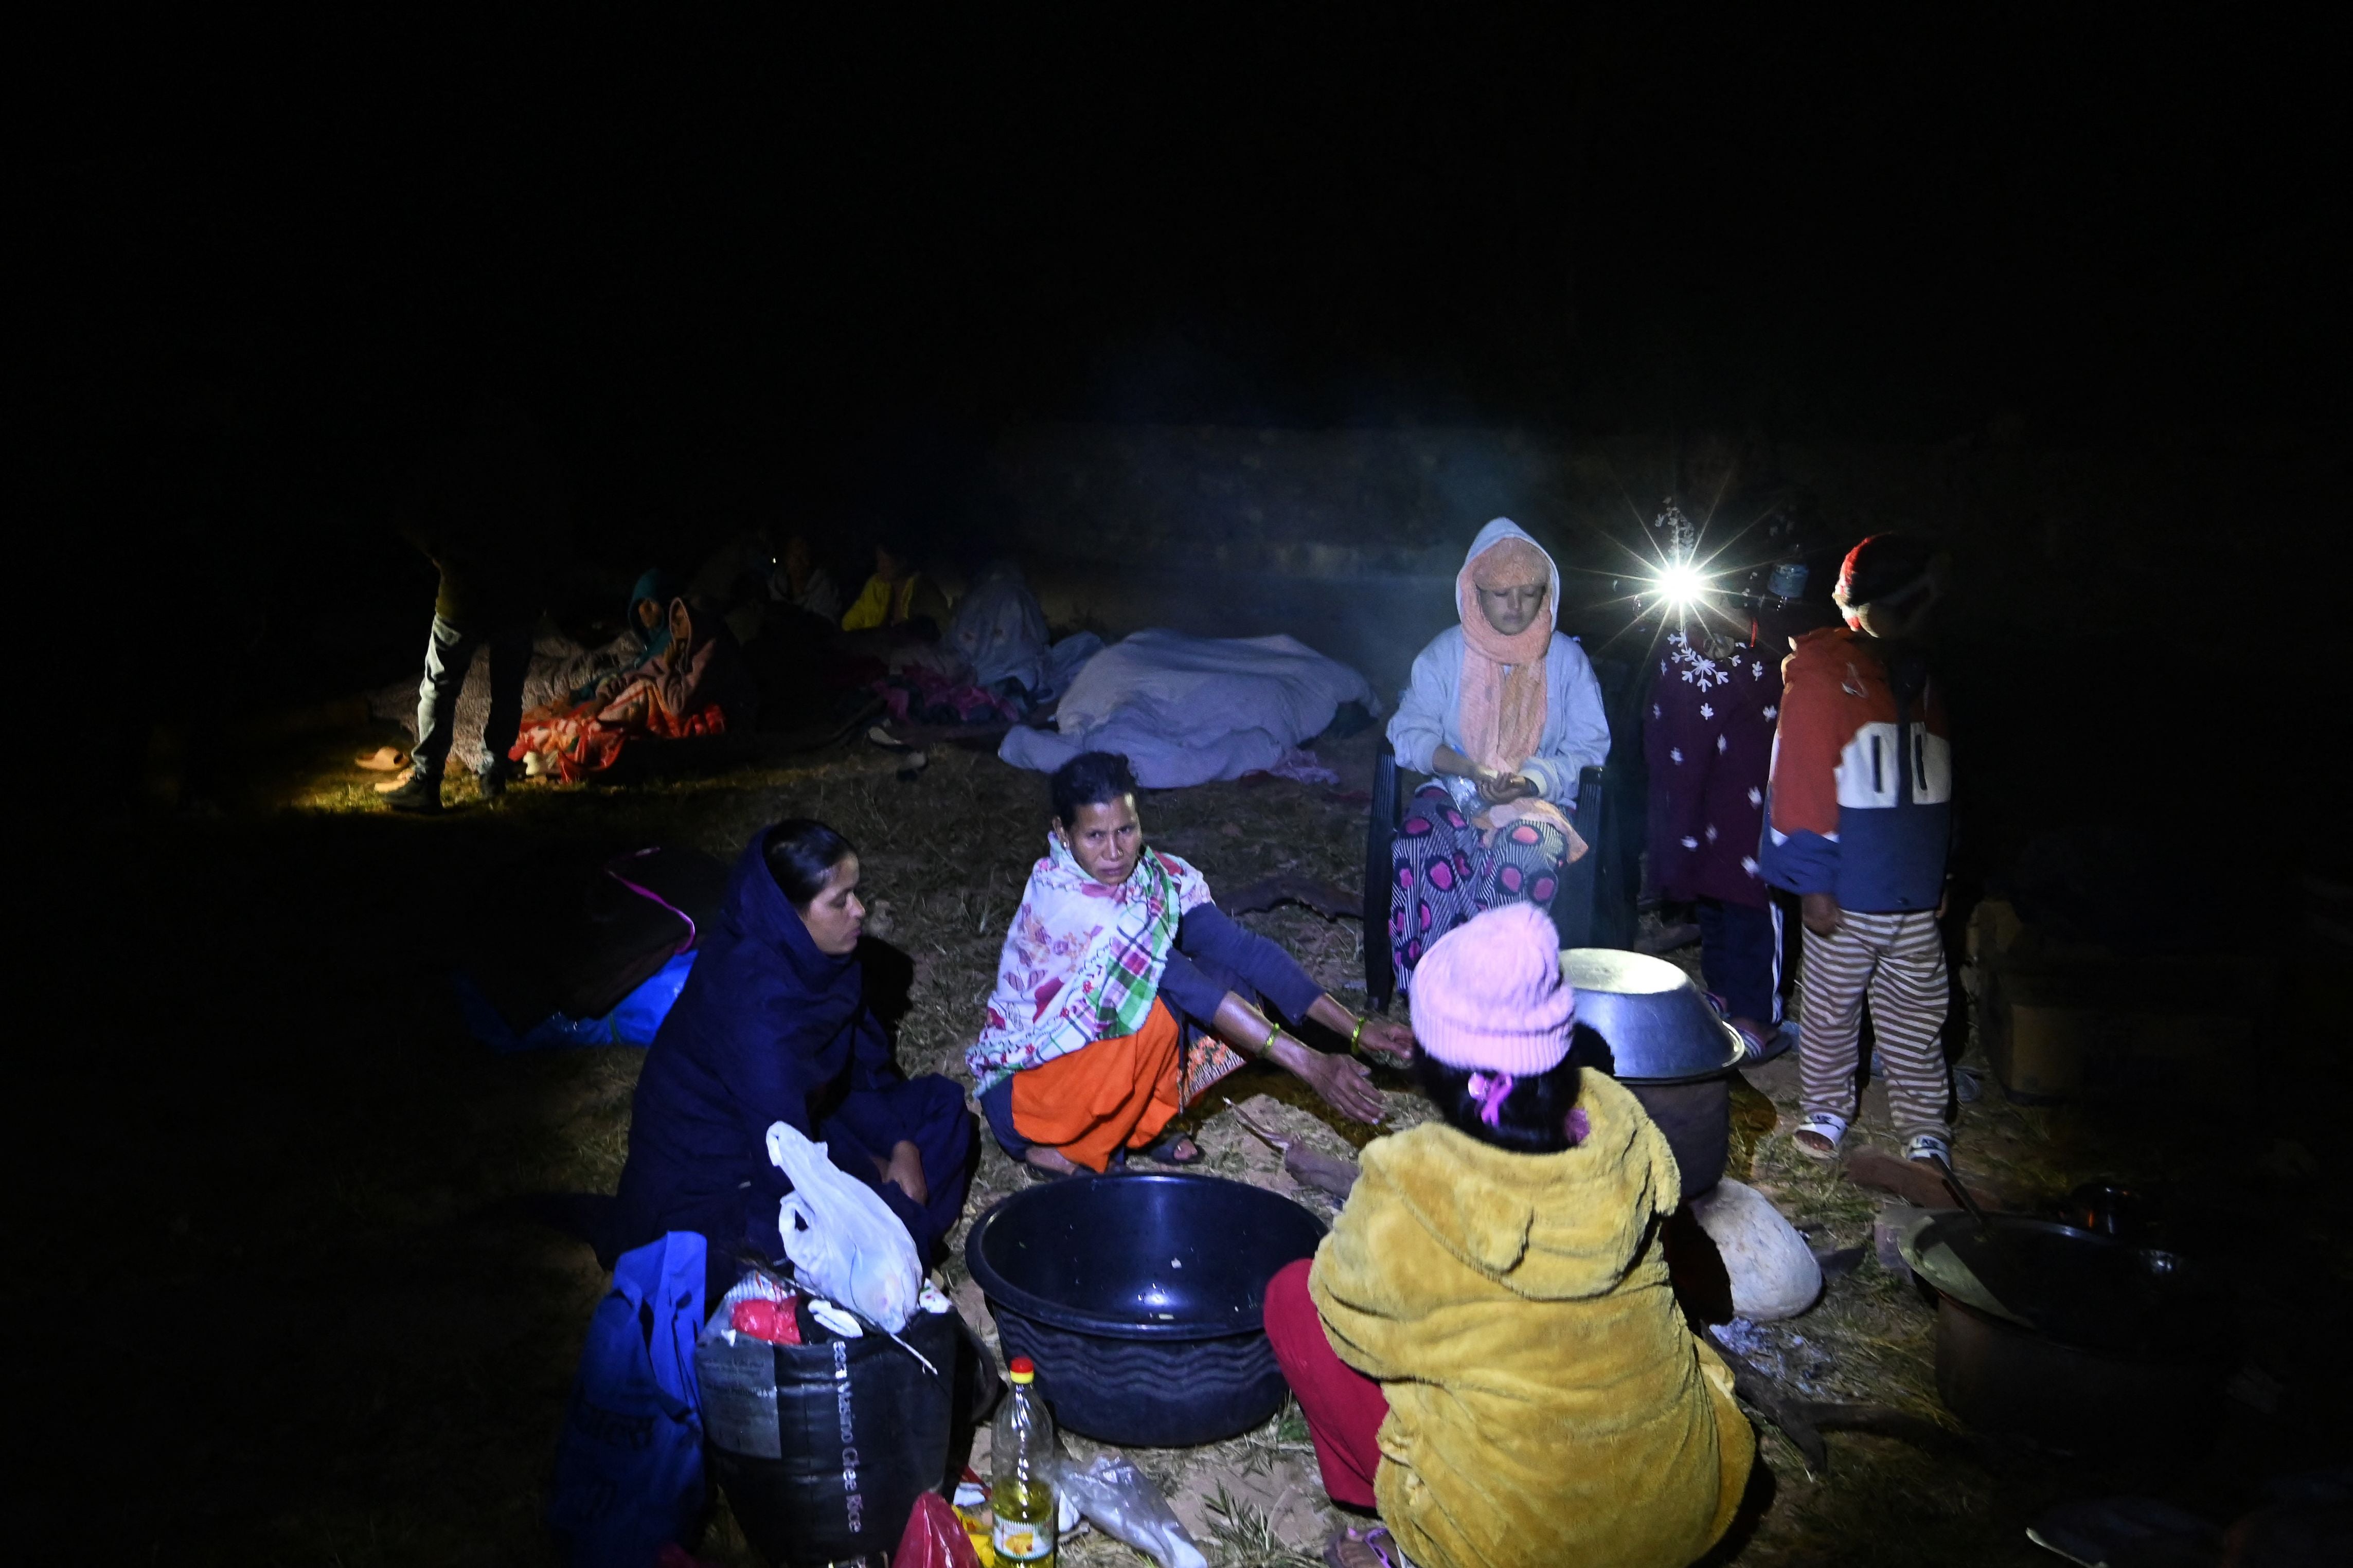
column 1021, row 1451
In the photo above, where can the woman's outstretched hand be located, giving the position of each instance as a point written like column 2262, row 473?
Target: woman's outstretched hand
column 1388, row 1040
column 1344, row 1083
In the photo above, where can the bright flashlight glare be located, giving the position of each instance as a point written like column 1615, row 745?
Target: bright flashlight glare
column 1679, row 584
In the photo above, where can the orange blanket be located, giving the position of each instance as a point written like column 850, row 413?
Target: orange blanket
column 1111, row 1095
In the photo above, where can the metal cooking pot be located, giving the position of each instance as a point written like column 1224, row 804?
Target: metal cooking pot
column 1641, row 1020
column 1652, row 1020
column 2079, row 1340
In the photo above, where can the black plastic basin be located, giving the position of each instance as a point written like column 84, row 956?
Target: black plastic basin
column 1141, row 1299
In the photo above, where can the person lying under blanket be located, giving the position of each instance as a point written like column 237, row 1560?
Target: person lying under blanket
column 1486, row 1347
column 691, row 681
column 1124, row 993
column 774, row 1026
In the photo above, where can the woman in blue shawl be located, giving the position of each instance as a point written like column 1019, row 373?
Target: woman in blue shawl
column 774, row 1026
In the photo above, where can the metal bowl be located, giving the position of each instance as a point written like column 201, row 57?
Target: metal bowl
column 1653, row 1024
column 2081, row 1342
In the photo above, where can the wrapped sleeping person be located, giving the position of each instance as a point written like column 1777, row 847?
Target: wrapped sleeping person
column 689, row 681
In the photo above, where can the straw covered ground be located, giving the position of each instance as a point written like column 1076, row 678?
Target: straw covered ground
column 332, row 1191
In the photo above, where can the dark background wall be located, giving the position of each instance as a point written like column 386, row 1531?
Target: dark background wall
column 2064, row 285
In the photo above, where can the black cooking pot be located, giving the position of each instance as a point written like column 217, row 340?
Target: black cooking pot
column 2081, row 1342
column 1641, row 1020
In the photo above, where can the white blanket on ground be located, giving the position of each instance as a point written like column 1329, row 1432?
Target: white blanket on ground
column 1188, row 709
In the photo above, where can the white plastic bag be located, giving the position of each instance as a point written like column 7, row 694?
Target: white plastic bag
column 846, row 1244
column 1121, row 1500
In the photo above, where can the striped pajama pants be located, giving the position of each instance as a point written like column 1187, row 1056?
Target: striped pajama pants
column 1898, row 961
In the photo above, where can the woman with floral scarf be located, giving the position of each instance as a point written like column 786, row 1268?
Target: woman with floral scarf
column 1505, row 712
column 1124, row 993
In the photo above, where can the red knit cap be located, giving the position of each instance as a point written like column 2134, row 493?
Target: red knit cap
column 1489, row 994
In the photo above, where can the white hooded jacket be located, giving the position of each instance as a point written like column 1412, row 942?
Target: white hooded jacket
column 1576, row 733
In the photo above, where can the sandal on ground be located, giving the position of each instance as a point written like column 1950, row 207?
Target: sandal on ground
column 1164, row 1151
column 1818, row 1135
column 383, row 759
column 1929, row 1149
column 1758, row 1050
column 1048, row 1174
column 1370, row 1546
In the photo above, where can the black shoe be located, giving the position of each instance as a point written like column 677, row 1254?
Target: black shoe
column 492, row 782
column 417, row 793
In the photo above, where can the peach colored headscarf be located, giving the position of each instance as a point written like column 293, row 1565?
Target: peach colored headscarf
column 1500, row 706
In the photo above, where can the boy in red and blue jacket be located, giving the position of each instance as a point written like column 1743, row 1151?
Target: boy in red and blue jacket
column 1858, row 820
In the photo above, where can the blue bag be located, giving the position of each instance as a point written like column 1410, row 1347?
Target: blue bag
column 642, row 1012
column 629, row 1468
column 632, row 1022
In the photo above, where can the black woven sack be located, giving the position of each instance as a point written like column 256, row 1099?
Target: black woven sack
column 823, row 1448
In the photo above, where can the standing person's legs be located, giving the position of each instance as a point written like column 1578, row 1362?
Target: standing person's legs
column 1344, row 1408
column 1837, row 973
column 447, row 652
column 509, row 663
column 1740, row 954
column 1910, row 995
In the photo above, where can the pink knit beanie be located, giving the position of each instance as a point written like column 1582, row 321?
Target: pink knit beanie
column 1489, row 994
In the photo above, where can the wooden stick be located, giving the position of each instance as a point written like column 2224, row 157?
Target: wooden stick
column 1776, row 1404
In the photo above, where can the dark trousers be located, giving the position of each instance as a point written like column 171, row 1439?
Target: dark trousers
column 928, row 1112
column 1740, row 954
column 447, row 654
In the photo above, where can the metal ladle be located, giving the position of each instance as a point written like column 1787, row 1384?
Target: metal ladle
column 1953, row 1180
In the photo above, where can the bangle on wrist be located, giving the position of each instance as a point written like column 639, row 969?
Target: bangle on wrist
column 1271, row 1036
column 1356, row 1035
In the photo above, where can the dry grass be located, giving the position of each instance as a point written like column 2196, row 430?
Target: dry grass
column 387, row 1348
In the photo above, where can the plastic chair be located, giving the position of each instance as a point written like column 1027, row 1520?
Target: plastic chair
column 1594, row 906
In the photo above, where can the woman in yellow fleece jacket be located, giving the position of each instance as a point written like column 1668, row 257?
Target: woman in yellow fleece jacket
column 1486, row 1345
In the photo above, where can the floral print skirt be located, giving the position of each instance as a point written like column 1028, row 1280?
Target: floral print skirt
column 1446, row 871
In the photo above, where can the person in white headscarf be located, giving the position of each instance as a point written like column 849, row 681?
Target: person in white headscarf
column 1505, row 711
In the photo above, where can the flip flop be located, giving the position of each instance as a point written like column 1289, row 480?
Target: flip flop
column 383, row 759
column 1164, row 1151
column 1817, row 1137
column 1762, row 1048
column 1373, row 1547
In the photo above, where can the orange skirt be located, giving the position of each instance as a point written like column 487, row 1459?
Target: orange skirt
column 1112, row 1095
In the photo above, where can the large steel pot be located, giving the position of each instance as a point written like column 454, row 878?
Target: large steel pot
column 1641, row 1020
column 1656, row 1026
column 2081, row 1342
